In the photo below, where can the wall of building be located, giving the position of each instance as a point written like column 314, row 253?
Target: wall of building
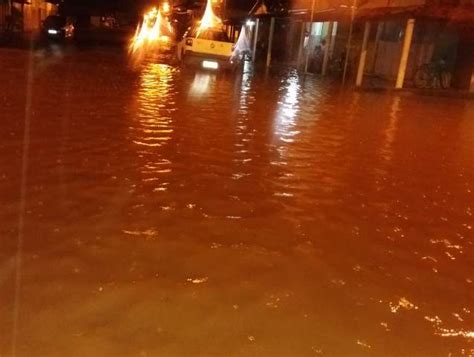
column 3, row 14
column 387, row 61
column 431, row 41
column 322, row 5
column 463, row 74
column 34, row 13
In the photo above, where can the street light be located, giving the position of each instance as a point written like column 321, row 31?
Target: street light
column 166, row 7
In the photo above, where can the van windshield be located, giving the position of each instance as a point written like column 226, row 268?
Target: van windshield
column 213, row 35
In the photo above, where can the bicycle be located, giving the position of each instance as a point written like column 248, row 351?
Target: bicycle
column 432, row 75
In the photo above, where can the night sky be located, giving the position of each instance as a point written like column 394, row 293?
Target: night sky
column 242, row 4
column 131, row 4
column 86, row 8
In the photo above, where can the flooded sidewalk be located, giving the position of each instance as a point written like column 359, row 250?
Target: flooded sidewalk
column 162, row 211
column 382, row 85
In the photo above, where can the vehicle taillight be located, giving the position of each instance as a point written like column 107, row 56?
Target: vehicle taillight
column 189, row 42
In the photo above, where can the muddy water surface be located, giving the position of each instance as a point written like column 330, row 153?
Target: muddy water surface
column 168, row 212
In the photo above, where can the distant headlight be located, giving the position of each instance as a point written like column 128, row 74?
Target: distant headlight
column 210, row 64
column 53, row 32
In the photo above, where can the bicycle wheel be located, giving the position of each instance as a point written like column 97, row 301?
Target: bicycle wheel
column 445, row 79
column 422, row 78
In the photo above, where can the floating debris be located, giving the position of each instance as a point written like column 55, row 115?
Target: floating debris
column 363, row 344
column 198, row 280
column 149, row 233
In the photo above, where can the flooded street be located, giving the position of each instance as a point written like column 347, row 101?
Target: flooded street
column 164, row 212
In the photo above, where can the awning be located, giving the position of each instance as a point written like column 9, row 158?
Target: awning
column 455, row 14
column 340, row 14
column 385, row 13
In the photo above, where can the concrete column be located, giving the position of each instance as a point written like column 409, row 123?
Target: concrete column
column 270, row 41
column 301, row 44
column 255, row 39
column 348, row 49
column 349, row 41
column 334, row 34
column 308, row 49
column 363, row 55
column 405, row 52
column 378, row 35
column 327, row 50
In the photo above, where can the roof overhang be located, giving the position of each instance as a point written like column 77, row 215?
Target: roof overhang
column 455, row 14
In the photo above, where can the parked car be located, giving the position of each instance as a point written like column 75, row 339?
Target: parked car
column 209, row 49
column 58, row 27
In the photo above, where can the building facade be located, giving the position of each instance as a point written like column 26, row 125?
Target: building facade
column 23, row 15
column 437, row 31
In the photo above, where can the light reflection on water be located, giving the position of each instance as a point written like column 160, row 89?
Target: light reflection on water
column 288, row 108
column 301, row 153
column 201, row 84
column 391, row 131
column 244, row 203
column 155, row 123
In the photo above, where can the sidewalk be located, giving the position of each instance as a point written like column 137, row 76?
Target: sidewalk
column 377, row 84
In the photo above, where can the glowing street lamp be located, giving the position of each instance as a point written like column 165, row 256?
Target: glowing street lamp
column 165, row 7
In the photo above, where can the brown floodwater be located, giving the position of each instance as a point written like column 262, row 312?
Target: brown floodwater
column 156, row 211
